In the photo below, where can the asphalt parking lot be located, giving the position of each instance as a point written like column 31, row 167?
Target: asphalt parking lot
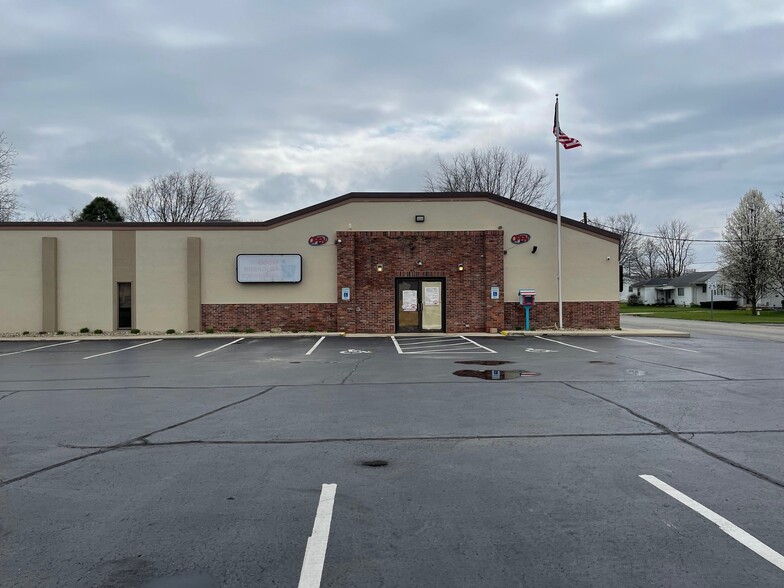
column 406, row 461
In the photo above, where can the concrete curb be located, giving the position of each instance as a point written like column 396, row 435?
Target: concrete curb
column 600, row 333
column 184, row 336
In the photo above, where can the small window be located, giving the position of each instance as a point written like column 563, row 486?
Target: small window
column 680, row 291
column 704, row 288
column 631, row 288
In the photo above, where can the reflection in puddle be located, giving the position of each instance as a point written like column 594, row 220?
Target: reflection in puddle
column 494, row 374
column 484, row 362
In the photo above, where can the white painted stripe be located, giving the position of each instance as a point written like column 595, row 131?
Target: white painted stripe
column 37, row 348
column 123, row 349
column 316, row 548
column 656, row 344
column 221, row 347
column 431, row 341
column 477, row 344
column 731, row 529
column 396, row 344
column 449, row 351
column 435, row 346
column 312, row 349
column 567, row 344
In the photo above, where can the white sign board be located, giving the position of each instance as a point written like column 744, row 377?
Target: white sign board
column 345, row 293
column 712, row 286
column 269, row 269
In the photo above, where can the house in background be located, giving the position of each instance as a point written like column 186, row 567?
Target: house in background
column 685, row 290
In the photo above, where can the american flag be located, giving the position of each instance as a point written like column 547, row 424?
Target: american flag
column 564, row 139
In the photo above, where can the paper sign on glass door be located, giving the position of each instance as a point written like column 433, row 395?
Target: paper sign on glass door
column 432, row 295
column 409, row 300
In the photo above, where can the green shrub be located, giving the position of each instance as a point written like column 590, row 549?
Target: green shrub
column 170, row 331
column 25, row 332
column 84, row 330
column 98, row 332
column 234, row 330
column 61, row 332
column 209, row 330
column 190, row 331
column 250, row 330
column 634, row 300
column 135, row 331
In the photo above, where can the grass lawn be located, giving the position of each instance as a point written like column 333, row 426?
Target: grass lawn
column 704, row 314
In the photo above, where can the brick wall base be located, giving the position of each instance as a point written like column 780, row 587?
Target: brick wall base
column 576, row 315
column 265, row 317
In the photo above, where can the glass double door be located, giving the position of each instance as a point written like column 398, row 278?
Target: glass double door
column 419, row 305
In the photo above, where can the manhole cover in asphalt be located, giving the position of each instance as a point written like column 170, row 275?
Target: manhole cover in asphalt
column 484, row 362
column 375, row 463
column 634, row 372
column 495, row 374
column 599, row 362
column 353, row 351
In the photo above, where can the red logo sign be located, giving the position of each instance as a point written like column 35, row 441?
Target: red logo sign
column 521, row 238
column 318, row 240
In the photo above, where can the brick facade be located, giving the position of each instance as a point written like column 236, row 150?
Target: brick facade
column 265, row 317
column 420, row 254
column 413, row 254
column 576, row 315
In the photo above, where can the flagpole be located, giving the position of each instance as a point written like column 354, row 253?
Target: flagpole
column 558, row 211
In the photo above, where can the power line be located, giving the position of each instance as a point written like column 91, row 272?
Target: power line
column 684, row 239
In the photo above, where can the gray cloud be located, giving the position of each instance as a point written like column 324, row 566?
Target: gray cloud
column 677, row 104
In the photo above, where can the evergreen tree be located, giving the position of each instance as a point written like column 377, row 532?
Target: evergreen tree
column 100, row 210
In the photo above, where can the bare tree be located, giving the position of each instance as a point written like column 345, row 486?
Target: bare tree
column 9, row 204
column 674, row 243
column 646, row 264
column 778, row 265
column 748, row 248
column 627, row 226
column 180, row 197
column 493, row 170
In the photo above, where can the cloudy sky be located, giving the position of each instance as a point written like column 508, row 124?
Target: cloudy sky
column 679, row 105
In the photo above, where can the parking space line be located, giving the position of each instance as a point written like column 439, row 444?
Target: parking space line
column 477, row 344
column 567, row 344
column 123, row 349
column 221, row 347
column 430, row 341
column 37, row 348
column 656, row 344
column 729, row 528
column 312, row 349
column 316, row 547
column 397, row 345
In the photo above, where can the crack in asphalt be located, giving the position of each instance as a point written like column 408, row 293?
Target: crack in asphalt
column 10, row 394
column 146, row 443
column 136, row 441
column 74, row 379
column 675, row 367
column 356, row 366
column 678, row 436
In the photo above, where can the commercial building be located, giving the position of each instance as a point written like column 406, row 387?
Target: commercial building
column 359, row 263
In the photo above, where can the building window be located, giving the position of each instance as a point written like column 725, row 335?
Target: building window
column 631, row 288
column 680, row 291
column 704, row 288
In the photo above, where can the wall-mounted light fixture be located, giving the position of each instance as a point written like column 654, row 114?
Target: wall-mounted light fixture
column 419, row 262
column 338, row 241
column 380, row 267
column 534, row 249
column 420, row 218
column 460, row 267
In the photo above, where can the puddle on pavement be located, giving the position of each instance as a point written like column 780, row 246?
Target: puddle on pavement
column 495, row 374
column 375, row 463
column 484, row 362
column 599, row 362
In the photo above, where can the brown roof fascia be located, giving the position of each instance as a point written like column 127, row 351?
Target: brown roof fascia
column 316, row 208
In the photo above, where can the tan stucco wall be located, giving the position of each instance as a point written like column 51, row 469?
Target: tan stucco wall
column 83, row 280
column 20, row 282
column 86, row 288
